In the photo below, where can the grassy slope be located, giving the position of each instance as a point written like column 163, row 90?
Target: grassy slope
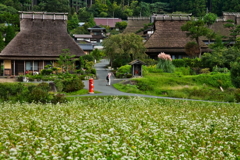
column 203, row 87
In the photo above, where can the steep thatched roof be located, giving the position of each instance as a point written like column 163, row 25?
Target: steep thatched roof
column 168, row 37
column 41, row 36
column 135, row 24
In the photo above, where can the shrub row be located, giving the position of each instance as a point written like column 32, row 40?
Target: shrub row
column 29, row 93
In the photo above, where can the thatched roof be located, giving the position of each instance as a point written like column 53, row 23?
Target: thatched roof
column 41, row 36
column 168, row 37
column 135, row 24
column 136, row 62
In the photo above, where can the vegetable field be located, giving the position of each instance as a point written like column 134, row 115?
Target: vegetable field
column 120, row 128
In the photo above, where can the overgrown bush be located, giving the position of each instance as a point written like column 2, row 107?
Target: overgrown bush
column 59, row 85
column 72, row 84
column 237, row 95
column 123, row 70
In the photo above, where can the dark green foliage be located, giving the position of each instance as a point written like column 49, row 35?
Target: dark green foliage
column 29, row 93
column 2, row 43
column 221, row 57
column 54, row 5
column 72, row 22
column 96, row 53
column 81, row 62
column 9, row 91
column 39, row 94
column 10, row 33
column 93, row 71
column 237, row 95
column 235, row 74
column 88, row 57
column 72, row 84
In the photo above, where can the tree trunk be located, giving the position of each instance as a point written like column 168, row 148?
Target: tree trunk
column 199, row 47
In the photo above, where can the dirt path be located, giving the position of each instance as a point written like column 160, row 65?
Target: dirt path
column 2, row 80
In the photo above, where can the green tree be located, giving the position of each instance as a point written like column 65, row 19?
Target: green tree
column 195, row 29
column 96, row 53
column 209, row 19
column 234, row 30
column 2, row 44
column 81, row 62
column 54, row 5
column 124, row 46
column 72, row 22
column 235, row 74
column 121, row 25
column 66, row 60
column 10, row 34
column 84, row 15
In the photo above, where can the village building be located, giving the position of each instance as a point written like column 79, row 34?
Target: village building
column 109, row 22
column 41, row 39
column 94, row 39
column 136, row 25
column 168, row 36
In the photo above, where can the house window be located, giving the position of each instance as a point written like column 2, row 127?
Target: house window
column 28, row 66
column 36, row 65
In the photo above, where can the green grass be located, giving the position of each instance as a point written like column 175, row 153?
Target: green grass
column 79, row 92
column 120, row 128
column 204, row 86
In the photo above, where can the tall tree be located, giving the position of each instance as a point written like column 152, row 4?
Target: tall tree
column 10, row 34
column 72, row 22
column 234, row 30
column 66, row 60
column 54, row 5
column 195, row 29
column 1, row 42
column 127, row 46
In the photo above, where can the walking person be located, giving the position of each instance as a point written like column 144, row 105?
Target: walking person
column 108, row 78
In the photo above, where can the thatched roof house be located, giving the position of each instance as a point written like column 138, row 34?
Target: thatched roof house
column 41, row 39
column 135, row 24
column 168, row 37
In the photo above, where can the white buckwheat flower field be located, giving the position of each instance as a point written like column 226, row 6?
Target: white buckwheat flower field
column 120, row 128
